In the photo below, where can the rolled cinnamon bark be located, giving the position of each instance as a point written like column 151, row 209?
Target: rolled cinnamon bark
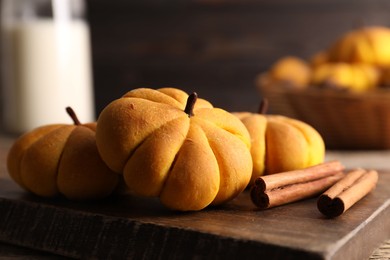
column 318, row 171
column 346, row 192
column 281, row 188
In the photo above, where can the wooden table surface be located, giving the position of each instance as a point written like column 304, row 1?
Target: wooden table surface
column 99, row 219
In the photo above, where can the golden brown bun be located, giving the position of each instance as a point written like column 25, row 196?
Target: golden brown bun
column 61, row 159
column 281, row 144
column 189, row 162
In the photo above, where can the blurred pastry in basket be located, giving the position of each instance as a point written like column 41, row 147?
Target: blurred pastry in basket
column 289, row 71
column 385, row 78
column 342, row 75
column 319, row 58
column 358, row 61
column 364, row 45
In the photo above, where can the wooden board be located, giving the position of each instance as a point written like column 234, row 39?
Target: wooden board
column 129, row 227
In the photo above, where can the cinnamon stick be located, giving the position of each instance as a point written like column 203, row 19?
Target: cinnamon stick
column 346, row 192
column 282, row 188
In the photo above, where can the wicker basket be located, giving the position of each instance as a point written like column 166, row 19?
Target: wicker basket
column 345, row 120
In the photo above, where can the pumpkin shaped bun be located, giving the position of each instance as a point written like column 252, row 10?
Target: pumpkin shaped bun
column 342, row 75
column 61, row 159
column 364, row 45
column 176, row 147
column 291, row 71
column 280, row 143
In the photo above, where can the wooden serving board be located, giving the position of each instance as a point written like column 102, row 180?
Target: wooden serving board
column 130, row 227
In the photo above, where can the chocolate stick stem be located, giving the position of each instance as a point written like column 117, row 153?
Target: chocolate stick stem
column 346, row 192
column 191, row 100
column 73, row 115
column 263, row 108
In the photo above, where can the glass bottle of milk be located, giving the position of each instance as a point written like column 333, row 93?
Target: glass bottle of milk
column 46, row 63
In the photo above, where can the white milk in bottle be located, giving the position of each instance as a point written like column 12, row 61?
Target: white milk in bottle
column 47, row 64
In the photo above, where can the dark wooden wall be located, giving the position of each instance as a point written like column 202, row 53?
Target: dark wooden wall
column 214, row 47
